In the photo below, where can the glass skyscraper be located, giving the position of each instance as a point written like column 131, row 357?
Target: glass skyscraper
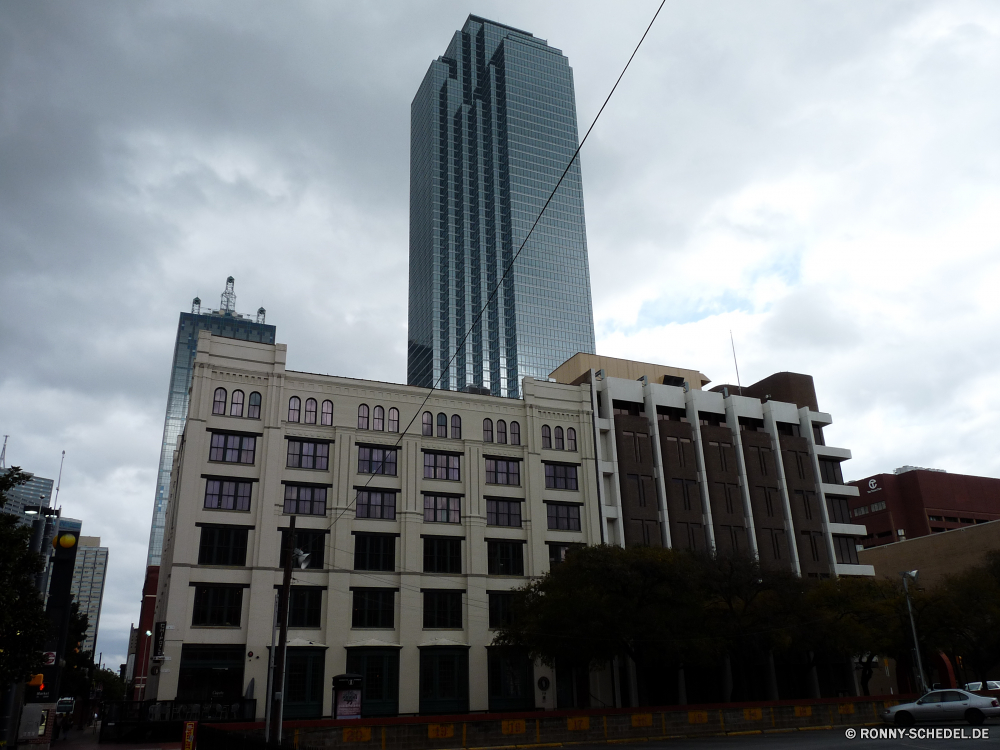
column 492, row 127
column 223, row 322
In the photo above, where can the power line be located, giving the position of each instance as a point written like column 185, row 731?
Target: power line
column 513, row 260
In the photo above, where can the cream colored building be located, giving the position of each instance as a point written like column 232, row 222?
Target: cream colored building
column 410, row 599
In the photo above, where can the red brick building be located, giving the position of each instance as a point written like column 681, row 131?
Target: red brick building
column 914, row 502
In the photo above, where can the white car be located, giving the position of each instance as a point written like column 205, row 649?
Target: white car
column 943, row 705
column 990, row 685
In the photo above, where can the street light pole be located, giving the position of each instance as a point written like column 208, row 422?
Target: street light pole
column 907, row 576
column 277, row 696
column 145, row 665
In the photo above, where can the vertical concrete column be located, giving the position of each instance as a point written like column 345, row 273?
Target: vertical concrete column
column 733, row 420
column 805, row 425
column 598, row 457
column 661, row 488
column 699, row 455
column 607, row 416
column 771, row 425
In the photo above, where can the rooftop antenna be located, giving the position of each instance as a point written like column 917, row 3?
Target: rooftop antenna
column 59, row 480
column 731, row 341
column 3, row 453
column 229, row 298
column 196, row 306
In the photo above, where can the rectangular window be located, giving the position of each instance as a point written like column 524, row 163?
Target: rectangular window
column 805, row 501
column 830, row 471
column 217, row 605
column 880, row 505
column 679, row 447
column 442, row 609
column 500, row 608
column 560, row 477
column 686, row 491
column 503, row 472
column 377, row 461
column 442, row 509
column 441, row 466
column 504, row 559
column 304, row 454
column 305, row 607
column 309, row 541
column 225, row 494
column 232, row 449
column 563, row 517
column 846, row 548
column 557, row 553
column 305, row 501
column 801, row 460
column 373, row 608
column 374, row 552
column 376, row 504
column 442, row 555
column 223, row 545
column 503, row 513
column 837, row 509
column 813, row 544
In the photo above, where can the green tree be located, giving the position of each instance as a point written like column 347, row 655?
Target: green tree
column 76, row 674
column 604, row 602
column 23, row 624
column 858, row 617
column 966, row 620
column 109, row 685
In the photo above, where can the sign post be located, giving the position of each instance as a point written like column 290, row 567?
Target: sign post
column 347, row 696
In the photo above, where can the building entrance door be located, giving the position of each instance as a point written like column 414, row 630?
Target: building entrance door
column 304, row 683
column 444, row 680
column 379, row 669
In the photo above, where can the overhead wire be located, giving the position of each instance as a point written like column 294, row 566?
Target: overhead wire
column 495, row 291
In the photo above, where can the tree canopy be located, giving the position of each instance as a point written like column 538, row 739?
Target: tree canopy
column 23, row 623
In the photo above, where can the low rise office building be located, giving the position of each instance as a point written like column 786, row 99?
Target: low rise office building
column 914, row 502
column 420, row 511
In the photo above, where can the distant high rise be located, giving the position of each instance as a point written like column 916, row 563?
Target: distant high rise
column 36, row 491
column 222, row 322
column 89, row 572
column 492, row 127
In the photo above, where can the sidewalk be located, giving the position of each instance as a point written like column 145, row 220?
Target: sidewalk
column 87, row 738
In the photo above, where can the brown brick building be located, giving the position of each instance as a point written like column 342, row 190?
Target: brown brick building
column 914, row 502
column 716, row 470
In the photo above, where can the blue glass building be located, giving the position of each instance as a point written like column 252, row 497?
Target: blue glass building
column 223, row 322
column 492, row 127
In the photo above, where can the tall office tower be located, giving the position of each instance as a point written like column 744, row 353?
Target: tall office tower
column 222, row 322
column 36, row 491
column 492, row 127
column 89, row 572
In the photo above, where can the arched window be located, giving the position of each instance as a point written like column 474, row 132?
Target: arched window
column 219, row 404
column 427, row 424
column 559, row 439
column 378, row 418
column 393, row 419
column 236, row 406
column 546, row 436
column 294, row 405
column 501, row 431
column 487, row 430
column 310, row 411
column 253, row 409
column 515, row 433
column 327, row 414
column 456, row 427
column 363, row 417
column 442, row 430
column 570, row 439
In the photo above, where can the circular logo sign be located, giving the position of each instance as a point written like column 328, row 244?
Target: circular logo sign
column 872, row 484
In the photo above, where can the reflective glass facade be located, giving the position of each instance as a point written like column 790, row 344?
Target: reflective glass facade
column 36, row 491
column 230, row 325
column 492, row 127
column 87, row 588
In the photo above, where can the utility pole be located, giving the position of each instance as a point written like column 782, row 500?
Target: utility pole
column 912, row 575
column 277, row 697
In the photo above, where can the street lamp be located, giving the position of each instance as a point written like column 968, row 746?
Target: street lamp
column 144, row 665
column 911, row 575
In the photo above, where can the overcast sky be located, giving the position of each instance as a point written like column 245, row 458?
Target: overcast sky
column 821, row 178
